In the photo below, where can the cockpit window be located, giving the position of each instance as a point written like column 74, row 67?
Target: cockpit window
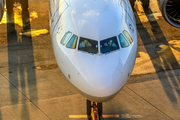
column 109, row 45
column 72, row 42
column 66, row 38
column 87, row 45
column 124, row 43
column 126, row 34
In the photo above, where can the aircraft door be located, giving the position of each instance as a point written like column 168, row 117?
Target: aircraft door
column 60, row 7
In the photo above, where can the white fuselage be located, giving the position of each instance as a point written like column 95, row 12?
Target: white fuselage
column 98, row 76
column 1, row 9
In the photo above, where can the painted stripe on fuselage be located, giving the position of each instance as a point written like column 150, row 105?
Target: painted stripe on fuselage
column 55, row 13
column 56, row 23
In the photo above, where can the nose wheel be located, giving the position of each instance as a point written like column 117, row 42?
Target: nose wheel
column 94, row 110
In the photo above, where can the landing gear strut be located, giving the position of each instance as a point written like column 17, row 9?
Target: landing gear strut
column 94, row 110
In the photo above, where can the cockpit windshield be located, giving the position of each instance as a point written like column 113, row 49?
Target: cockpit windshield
column 105, row 46
column 109, row 45
column 87, row 45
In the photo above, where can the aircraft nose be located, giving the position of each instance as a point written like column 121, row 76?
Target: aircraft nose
column 100, row 81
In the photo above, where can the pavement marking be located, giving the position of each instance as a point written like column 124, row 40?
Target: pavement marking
column 143, row 17
column 175, row 44
column 125, row 116
column 17, row 15
column 85, row 116
column 78, row 116
column 46, row 67
column 110, row 116
column 34, row 33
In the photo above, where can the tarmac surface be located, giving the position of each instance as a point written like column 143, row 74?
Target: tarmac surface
column 33, row 88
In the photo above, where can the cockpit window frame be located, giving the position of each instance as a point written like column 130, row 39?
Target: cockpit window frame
column 129, row 36
column 124, row 39
column 64, row 43
column 78, row 45
column 96, row 44
column 111, row 46
column 70, row 40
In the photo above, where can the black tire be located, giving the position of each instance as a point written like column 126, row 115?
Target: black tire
column 145, row 3
column 88, row 103
column 99, row 106
column 132, row 3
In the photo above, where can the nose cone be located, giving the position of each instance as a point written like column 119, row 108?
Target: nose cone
column 100, row 81
column 101, row 76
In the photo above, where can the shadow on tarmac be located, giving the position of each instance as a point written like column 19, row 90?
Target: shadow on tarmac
column 168, row 60
column 22, row 76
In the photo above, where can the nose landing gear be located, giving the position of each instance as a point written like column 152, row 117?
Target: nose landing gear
column 94, row 110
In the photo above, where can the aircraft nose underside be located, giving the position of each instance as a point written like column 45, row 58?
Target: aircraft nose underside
column 100, row 81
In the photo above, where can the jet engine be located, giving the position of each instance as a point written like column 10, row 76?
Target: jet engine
column 1, row 8
column 171, row 11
